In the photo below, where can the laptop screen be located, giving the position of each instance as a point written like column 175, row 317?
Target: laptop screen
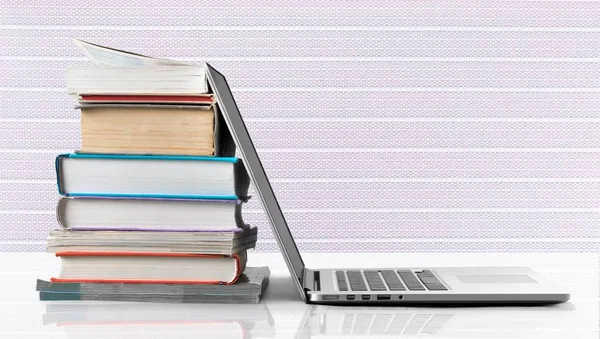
column 257, row 174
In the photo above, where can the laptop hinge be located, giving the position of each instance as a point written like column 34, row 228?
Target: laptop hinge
column 311, row 281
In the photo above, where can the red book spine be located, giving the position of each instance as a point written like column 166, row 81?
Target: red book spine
column 147, row 98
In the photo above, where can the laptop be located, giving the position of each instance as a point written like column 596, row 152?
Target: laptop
column 371, row 285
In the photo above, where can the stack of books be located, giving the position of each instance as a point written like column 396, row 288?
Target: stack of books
column 154, row 196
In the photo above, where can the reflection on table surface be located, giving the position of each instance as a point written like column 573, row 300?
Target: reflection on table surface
column 142, row 320
column 555, row 321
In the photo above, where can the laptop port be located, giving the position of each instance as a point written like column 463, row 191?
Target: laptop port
column 329, row 297
column 350, row 297
column 400, row 297
column 384, row 297
column 366, row 297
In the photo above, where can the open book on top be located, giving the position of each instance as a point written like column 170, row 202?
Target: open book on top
column 126, row 73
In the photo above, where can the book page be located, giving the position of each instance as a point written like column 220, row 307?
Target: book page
column 100, row 55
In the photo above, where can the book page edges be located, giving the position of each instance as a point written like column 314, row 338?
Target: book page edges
column 101, row 55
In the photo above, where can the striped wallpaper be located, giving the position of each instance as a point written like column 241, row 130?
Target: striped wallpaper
column 426, row 125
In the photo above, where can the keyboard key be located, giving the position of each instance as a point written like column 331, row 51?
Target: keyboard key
column 392, row 280
column 436, row 287
column 428, row 279
column 431, row 281
column 341, row 280
column 411, row 281
column 356, row 281
column 374, row 281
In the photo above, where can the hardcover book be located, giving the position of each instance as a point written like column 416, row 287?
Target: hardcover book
column 151, row 176
column 150, row 268
column 149, row 214
column 153, row 79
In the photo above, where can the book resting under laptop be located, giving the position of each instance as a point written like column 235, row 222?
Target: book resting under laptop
column 369, row 285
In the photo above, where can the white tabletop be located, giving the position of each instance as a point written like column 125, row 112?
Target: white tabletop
column 283, row 315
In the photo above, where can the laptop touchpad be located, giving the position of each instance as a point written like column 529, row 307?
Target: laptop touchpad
column 495, row 279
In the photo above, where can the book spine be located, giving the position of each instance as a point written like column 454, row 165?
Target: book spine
column 224, row 144
column 241, row 180
column 57, row 166
column 240, row 264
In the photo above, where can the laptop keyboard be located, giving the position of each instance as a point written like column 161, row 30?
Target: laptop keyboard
column 388, row 280
column 356, row 281
column 393, row 281
column 411, row 281
column 430, row 281
column 341, row 280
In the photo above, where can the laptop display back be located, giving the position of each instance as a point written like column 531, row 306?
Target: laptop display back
column 257, row 174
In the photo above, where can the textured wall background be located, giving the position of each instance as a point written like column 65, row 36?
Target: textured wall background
column 427, row 125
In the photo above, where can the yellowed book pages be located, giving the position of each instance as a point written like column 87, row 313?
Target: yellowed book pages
column 173, row 130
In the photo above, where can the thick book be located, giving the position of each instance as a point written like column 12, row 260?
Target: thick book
column 247, row 289
column 222, row 243
column 151, row 176
column 158, row 215
column 150, row 267
column 147, row 80
column 120, row 128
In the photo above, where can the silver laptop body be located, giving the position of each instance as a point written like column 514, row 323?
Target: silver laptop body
column 383, row 286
